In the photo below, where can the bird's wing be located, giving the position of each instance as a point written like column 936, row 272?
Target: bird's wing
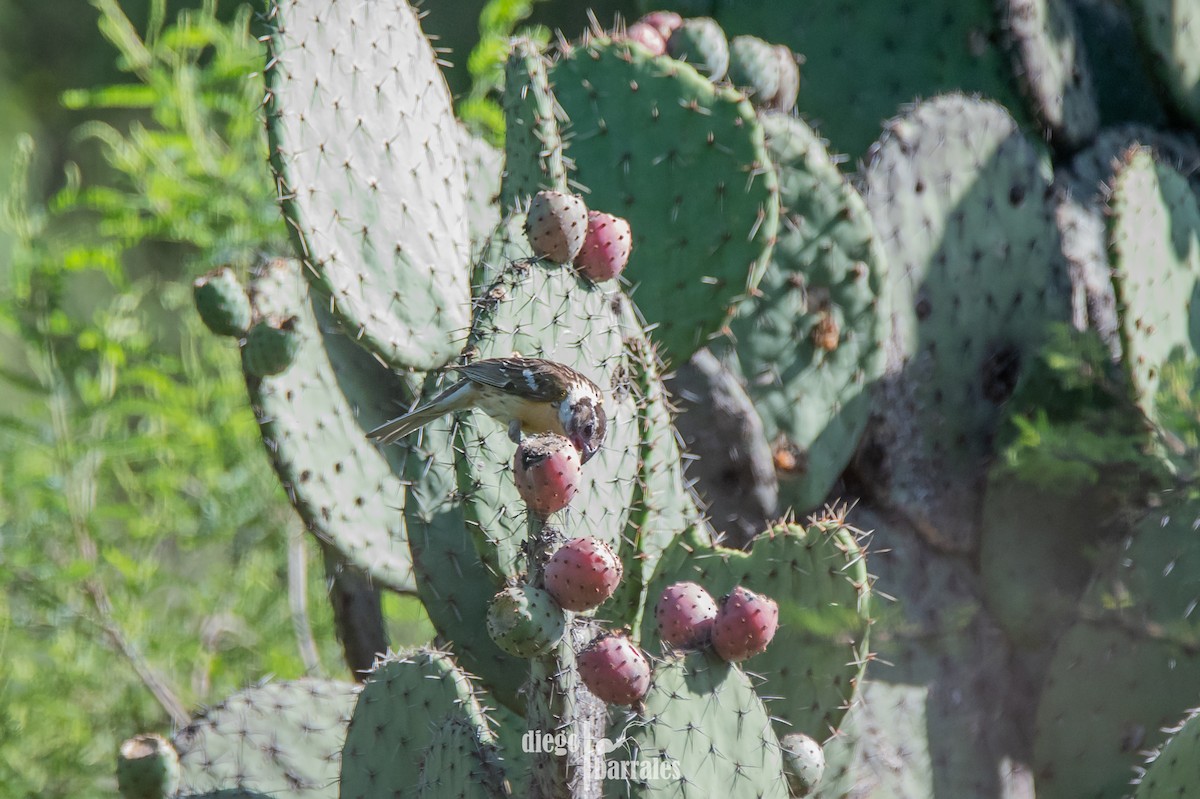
column 532, row 378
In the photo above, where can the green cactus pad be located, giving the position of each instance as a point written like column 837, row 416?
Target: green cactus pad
column 270, row 348
column 1170, row 33
column 703, row 730
column 1052, row 67
column 1154, row 245
column 222, row 303
column 663, row 505
column 524, row 621
column 314, row 418
column 1174, row 770
column 685, row 163
column 148, row 768
column 405, row 699
column 533, row 146
column 826, row 274
column 1117, row 65
column 548, row 312
column 484, row 165
column 1129, row 668
column 864, row 60
column 452, row 581
column 818, row 576
column 277, row 737
column 458, row 765
column 962, row 203
column 364, row 147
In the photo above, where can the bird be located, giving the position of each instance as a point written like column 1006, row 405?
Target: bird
column 530, row 395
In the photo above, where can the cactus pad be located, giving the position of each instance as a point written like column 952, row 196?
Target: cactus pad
column 364, row 147
column 1174, row 770
column 314, row 419
column 458, row 765
column 1170, row 32
column 1053, row 70
column 1154, row 237
column 962, row 203
column 276, row 737
column 826, row 275
column 818, row 577
column 533, row 147
column 703, row 729
column 684, row 162
column 402, row 704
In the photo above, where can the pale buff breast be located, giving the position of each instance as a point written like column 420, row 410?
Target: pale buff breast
column 535, row 417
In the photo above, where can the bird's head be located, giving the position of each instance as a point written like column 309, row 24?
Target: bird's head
column 587, row 425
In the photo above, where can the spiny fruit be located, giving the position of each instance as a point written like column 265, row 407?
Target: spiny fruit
column 647, row 36
column 556, row 224
column 789, row 80
column 270, row 347
column 606, row 247
column 222, row 303
column 665, row 22
column 547, row 471
column 685, row 615
column 745, row 624
column 803, row 763
column 582, row 574
column 524, row 621
column 754, row 68
column 614, row 670
column 701, row 43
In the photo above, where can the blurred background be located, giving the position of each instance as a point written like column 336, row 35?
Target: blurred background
column 149, row 559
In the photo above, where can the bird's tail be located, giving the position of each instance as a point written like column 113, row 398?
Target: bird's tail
column 455, row 398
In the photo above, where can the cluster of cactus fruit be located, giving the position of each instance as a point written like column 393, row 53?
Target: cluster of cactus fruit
column 879, row 339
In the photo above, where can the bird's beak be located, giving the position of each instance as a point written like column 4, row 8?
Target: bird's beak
column 585, row 453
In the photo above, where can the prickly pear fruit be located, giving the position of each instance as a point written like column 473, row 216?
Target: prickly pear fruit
column 582, row 574
column 606, row 247
column 524, row 621
column 222, row 303
column 701, row 43
column 685, row 615
column 270, row 347
column 665, row 22
column 745, row 624
column 556, row 224
column 547, row 472
column 647, row 36
column 803, row 763
column 147, row 768
column 789, row 80
column 754, row 68
column 614, row 670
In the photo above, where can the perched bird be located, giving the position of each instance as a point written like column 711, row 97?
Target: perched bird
column 530, row 395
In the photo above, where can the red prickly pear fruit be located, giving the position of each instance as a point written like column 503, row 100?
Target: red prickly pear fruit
column 647, row 36
column 606, row 247
column 582, row 574
column 547, row 472
column 665, row 22
column 746, row 623
column 614, row 670
column 685, row 615
column 556, row 224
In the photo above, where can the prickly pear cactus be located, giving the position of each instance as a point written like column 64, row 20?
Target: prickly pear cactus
column 818, row 577
column 314, row 417
column 276, row 737
column 533, row 146
column 810, row 341
column 363, row 146
column 962, row 203
column 407, row 697
column 1174, row 769
column 1154, row 235
column 703, row 726
column 458, row 765
column 685, row 162
column 1170, row 33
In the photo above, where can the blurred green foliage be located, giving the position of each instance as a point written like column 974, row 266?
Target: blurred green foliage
column 144, row 540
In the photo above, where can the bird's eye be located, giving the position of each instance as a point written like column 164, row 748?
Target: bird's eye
column 589, row 430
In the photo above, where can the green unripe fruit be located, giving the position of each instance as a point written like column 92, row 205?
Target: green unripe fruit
column 270, row 347
column 222, row 303
column 701, row 43
column 754, row 67
column 803, row 763
column 147, row 768
column 524, row 621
